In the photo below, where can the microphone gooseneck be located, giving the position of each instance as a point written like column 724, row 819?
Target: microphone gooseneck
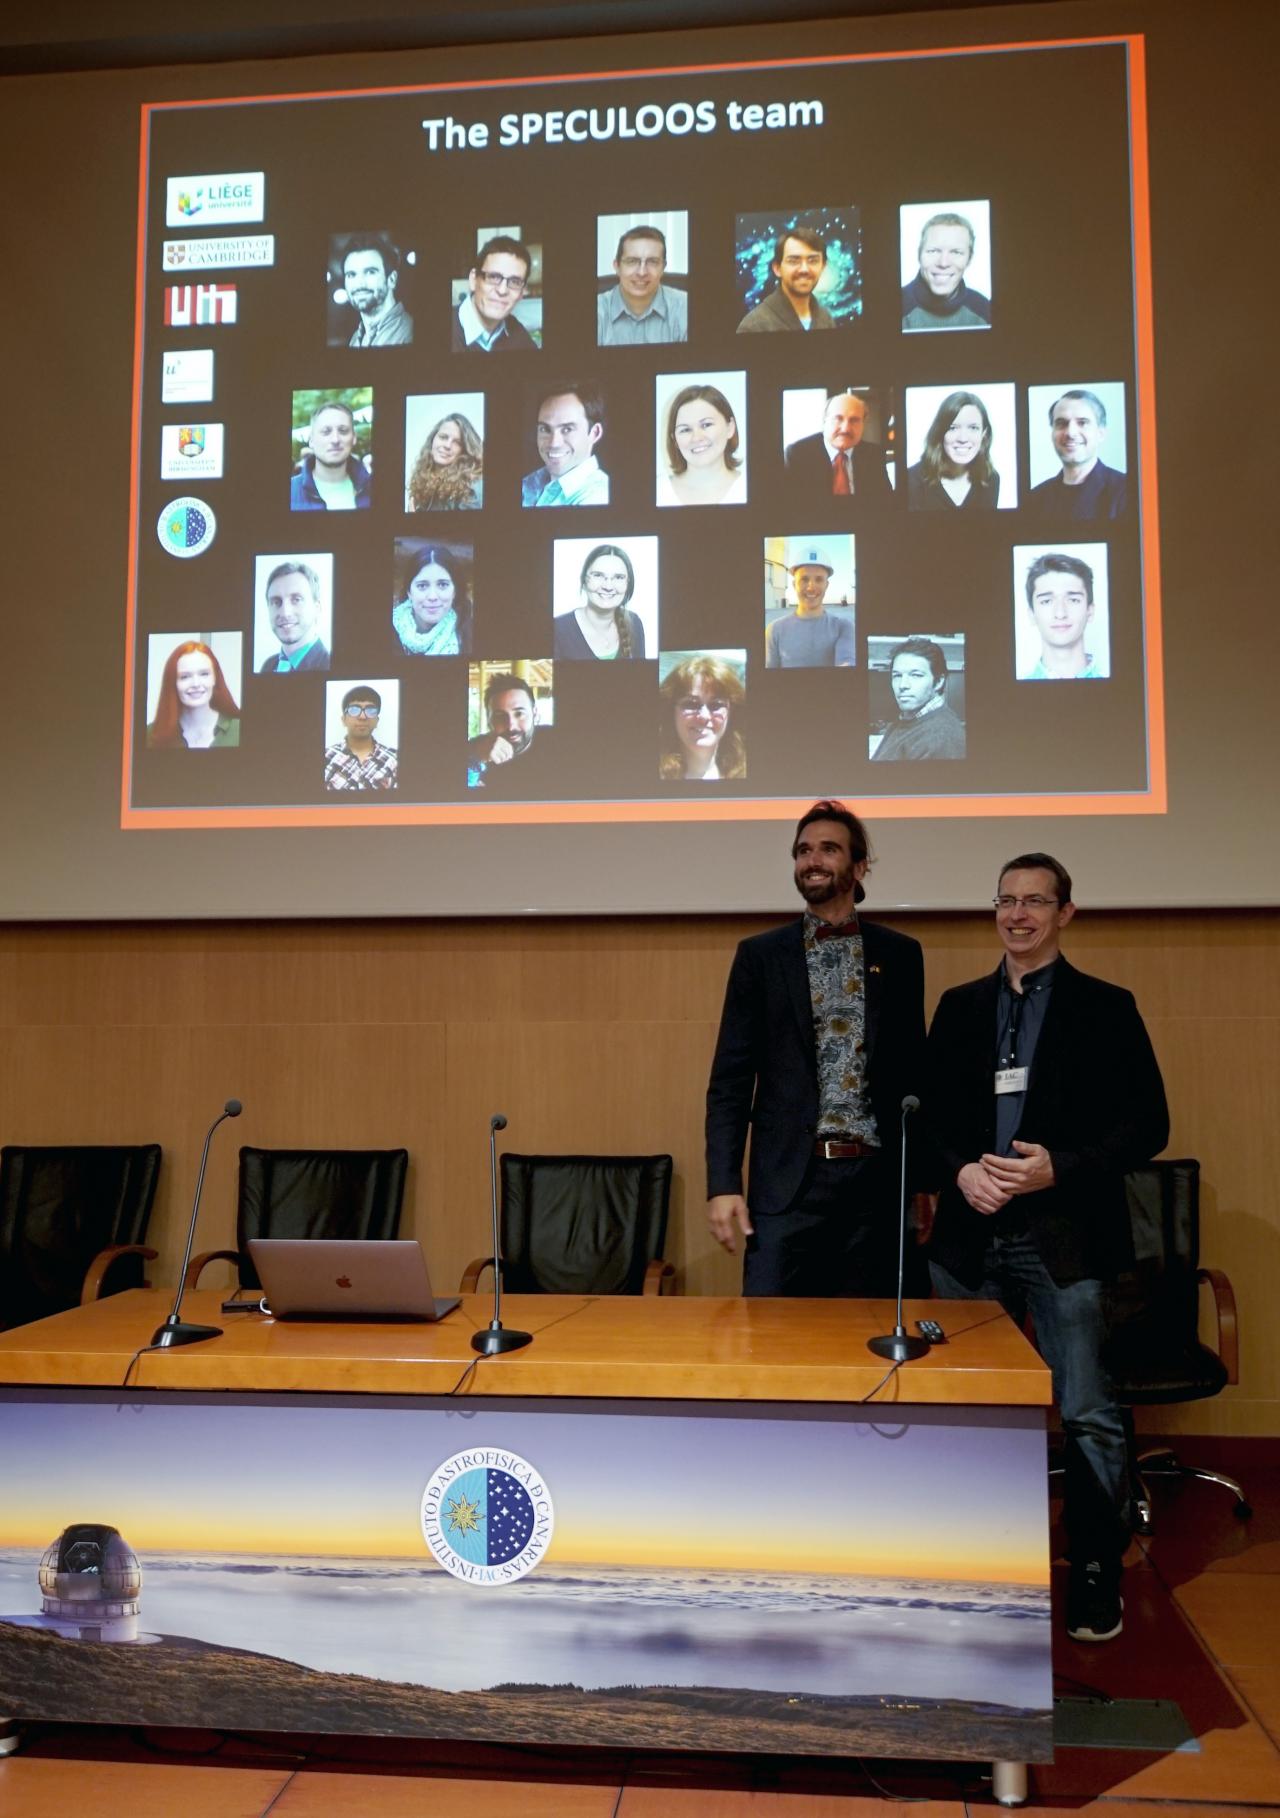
column 176, row 1331
column 898, row 1345
column 495, row 1338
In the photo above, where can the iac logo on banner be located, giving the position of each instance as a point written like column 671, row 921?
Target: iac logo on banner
column 487, row 1516
column 191, row 450
column 216, row 200
column 226, row 250
column 186, row 376
column 198, row 305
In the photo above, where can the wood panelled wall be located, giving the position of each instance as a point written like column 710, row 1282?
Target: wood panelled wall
column 590, row 1034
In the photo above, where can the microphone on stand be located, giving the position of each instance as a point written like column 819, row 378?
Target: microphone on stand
column 176, row 1331
column 898, row 1345
column 496, row 1338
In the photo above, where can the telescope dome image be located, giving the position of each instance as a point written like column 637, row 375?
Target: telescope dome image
column 90, row 1583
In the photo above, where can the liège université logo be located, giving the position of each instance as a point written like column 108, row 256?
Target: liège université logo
column 487, row 1516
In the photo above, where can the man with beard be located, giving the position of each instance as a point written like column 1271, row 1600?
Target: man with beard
column 821, row 1039
column 504, row 760
column 799, row 260
column 370, row 275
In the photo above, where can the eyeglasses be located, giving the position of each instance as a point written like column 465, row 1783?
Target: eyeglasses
column 630, row 263
column 493, row 280
column 1024, row 902
column 693, row 708
column 359, row 710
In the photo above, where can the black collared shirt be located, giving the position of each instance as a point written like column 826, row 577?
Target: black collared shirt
column 1019, row 1020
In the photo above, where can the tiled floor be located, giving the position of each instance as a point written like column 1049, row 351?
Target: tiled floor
column 1202, row 1629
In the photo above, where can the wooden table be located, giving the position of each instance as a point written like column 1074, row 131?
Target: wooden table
column 665, row 1523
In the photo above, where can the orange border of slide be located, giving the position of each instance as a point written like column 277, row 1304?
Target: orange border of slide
column 1152, row 800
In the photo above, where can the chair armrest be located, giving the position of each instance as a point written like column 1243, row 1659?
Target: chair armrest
column 470, row 1283
column 1224, row 1303
column 96, row 1273
column 659, row 1278
column 197, row 1263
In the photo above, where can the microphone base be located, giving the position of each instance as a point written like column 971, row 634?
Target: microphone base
column 495, row 1339
column 181, row 1332
column 899, row 1346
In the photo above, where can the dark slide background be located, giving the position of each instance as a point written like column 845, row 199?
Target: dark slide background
column 73, row 141
column 806, row 731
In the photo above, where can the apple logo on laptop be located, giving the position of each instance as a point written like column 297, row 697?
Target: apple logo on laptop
column 343, row 1281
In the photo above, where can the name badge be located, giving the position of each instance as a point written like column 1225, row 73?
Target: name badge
column 1010, row 1079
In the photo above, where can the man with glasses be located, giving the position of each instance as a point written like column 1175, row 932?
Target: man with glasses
column 640, row 310
column 360, row 761
column 486, row 321
column 570, row 425
column 799, row 260
column 821, row 1039
column 1041, row 1092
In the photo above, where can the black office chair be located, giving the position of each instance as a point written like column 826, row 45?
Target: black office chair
column 1155, row 1354
column 72, row 1221
column 582, row 1224
column 353, row 1193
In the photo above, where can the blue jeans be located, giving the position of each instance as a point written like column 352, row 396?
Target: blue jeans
column 1070, row 1331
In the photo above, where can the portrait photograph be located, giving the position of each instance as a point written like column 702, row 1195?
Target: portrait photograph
column 961, row 447
column 810, row 602
column 331, row 448
column 701, row 716
column 444, row 451
column 432, row 608
column 604, row 593
column 370, row 289
column 1061, row 612
column 798, row 269
column 361, row 734
column 293, row 611
column 194, row 683
column 642, row 278
column 945, row 257
column 916, row 697
column 701, row 438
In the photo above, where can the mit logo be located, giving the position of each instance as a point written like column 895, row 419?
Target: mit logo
column 196, row 305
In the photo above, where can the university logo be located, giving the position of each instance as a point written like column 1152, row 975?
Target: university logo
column 199, row 305
column 186, row 527
column 487, row 1516
column 228, row 251
column 191, row 451
column 238, row 195
column 186, row 376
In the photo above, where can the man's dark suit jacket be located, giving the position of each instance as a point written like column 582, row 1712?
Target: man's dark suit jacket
column 765, row 1072
column 1095, row 1099
column 809, row 471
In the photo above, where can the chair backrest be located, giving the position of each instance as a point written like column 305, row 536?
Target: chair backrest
column 317, row 1193
column 58, row 1207
column 1154, row 1352
column 582, row 1224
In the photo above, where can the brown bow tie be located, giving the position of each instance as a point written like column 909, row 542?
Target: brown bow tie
column 834, row 931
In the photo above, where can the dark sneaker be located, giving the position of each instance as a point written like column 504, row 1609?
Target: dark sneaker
column 1095, row 1609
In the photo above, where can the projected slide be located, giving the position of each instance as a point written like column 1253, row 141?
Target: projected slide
column 669, row 446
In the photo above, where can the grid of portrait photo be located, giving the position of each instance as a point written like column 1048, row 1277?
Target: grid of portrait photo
column 635, row 493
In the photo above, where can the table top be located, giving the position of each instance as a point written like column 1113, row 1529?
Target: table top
column 646, row 1347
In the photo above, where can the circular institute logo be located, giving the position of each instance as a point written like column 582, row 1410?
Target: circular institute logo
column 186, row 527
column 487, row 1516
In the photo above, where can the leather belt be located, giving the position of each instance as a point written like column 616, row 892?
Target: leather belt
column 831, row 1148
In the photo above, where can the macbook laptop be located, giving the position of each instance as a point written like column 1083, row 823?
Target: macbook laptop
column 345, row 1278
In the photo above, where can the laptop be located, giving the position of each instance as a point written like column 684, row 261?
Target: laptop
column 345, row 1278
